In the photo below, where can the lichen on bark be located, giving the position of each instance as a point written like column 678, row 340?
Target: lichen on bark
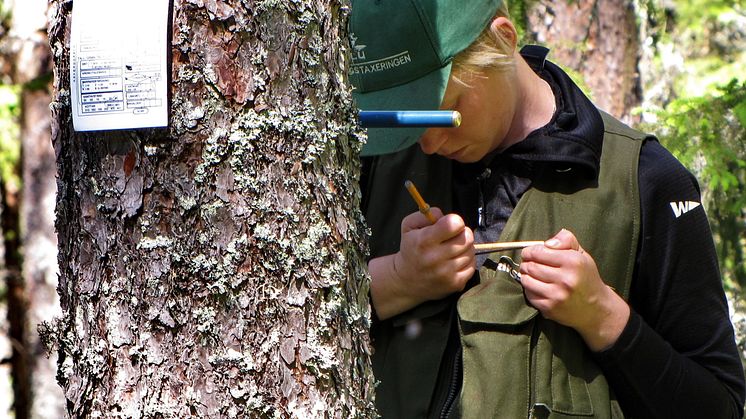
column 216, row 268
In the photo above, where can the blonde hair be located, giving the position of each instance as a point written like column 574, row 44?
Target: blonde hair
column 489, row 51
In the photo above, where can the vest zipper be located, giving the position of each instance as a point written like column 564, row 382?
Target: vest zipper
column 450, row 370
column 453, row 387
column 532, row 369
column 481, row 222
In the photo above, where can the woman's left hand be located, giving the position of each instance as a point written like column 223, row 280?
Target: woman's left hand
column 562, row 281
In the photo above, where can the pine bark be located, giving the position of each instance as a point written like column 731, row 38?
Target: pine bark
column 597, row 39
column 216, row 268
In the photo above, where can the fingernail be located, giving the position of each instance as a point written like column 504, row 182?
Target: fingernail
column 552, row 243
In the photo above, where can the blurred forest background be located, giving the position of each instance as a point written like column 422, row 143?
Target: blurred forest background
column 676, row 68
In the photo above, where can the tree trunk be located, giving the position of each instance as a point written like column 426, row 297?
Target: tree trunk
column 599, row 40
column 38, row 238
column 40, row 248
column 216, row 268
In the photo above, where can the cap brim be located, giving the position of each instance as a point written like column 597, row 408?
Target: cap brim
column 425, row 93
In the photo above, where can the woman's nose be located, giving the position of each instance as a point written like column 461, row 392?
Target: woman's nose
column 431, row 140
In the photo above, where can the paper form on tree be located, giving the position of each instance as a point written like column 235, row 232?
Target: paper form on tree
column 118, row 68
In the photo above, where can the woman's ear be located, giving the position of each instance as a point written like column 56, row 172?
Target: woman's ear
column 503, row 28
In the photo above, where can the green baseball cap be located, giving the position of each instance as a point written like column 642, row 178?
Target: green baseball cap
column 401, row 57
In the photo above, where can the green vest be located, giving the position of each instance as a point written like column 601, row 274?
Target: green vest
column 515, row 362
column 540, row 368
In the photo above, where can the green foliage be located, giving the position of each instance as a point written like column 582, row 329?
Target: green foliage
column 519, row 14
column 695, row 14
column 10, row 147
column 740, row 112
column 711, row 37
column 709, row 133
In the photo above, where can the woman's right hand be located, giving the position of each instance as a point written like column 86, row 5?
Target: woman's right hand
column 434, row 261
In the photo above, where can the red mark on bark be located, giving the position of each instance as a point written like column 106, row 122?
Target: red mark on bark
column 129, row 163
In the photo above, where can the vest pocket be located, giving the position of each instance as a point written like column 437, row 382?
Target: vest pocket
column 563, row 371
column 495, row 323
column 517, row 363
column 498, row 301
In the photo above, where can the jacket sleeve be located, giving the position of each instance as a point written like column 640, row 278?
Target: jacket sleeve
column 677, row 357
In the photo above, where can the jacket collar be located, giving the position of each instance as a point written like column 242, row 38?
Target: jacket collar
column 572, row 139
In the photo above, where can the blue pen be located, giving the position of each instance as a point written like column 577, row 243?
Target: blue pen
column 402, row 119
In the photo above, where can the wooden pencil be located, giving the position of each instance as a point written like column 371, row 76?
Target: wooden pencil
column 421, row 204
column 500, row 246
